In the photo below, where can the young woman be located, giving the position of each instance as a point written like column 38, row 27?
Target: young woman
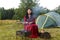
column 30, row 25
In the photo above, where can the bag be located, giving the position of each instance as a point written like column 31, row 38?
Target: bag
column 45, row 35
column 23, row 33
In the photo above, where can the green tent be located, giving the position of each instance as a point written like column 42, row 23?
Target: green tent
column 48, row 20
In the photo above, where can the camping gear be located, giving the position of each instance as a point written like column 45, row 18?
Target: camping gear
column 51, row 19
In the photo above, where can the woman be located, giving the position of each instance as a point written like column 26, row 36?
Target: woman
column 30, row 25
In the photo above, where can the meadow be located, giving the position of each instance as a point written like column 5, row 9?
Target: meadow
column 8, row 30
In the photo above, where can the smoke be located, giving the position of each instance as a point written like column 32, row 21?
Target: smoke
column 37, row 10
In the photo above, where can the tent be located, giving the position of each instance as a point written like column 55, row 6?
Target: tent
column 51, row 19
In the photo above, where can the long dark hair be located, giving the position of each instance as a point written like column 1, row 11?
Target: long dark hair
column 27, row 13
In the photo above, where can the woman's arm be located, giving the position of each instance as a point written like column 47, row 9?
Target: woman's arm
column 32, row 22
column 25, row 20
column 34, row 19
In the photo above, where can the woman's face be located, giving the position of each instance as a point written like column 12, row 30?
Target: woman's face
column 29, row 11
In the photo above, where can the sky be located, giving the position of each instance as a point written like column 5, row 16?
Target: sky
column 9, row 3
column 50, row 4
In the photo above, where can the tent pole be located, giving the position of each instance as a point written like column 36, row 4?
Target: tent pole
column 44, row 22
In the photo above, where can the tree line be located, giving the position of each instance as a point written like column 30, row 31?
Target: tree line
column 18, row 13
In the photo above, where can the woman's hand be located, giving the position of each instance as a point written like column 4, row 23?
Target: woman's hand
column 30, row 22
column 26, row 22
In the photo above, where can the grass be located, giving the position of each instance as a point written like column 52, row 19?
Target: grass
column 8, row 30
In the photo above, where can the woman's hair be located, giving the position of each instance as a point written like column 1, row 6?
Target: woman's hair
column 27, row 13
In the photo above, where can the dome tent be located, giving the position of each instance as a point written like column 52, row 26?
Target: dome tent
column 48, row 20
column 56, row 17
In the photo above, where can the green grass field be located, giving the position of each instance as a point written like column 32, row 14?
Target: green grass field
column 8, row 30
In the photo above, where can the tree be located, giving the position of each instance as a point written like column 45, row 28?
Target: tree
column 1, row 12
column 0, row 15
column 6, row 14
column 10, row 13
column 57, row 9
column 19, row 13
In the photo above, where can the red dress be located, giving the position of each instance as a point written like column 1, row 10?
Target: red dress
column 31, row 27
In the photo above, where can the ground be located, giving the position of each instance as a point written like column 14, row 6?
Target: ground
column 8, row 30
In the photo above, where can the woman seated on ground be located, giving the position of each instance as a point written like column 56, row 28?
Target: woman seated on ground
column 30, row 25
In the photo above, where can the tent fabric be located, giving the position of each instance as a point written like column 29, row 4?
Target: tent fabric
column 56, row 17
column 48, row 20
